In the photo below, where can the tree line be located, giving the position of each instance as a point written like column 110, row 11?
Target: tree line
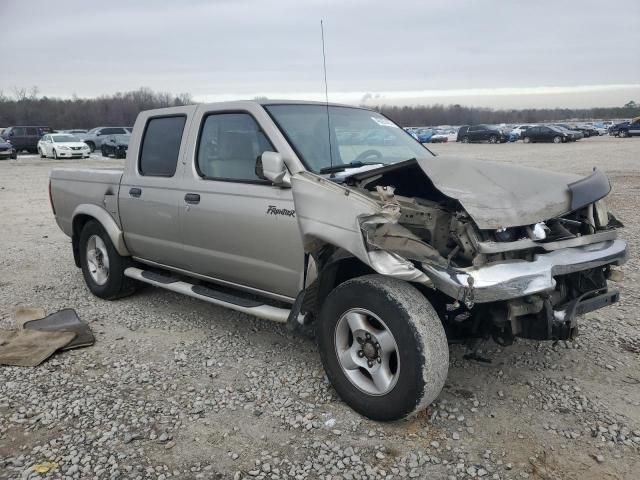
column 461, row 115
column 26, row 107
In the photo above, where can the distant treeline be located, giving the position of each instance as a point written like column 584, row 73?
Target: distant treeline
column 25, row 107
column 460, row 115
column 121, row 109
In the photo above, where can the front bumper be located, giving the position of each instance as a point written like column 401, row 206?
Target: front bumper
column 518, row 278
column 73, row 153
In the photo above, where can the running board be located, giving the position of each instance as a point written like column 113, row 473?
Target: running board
column 209, row 294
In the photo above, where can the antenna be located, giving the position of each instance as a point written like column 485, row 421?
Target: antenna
column 326, row 92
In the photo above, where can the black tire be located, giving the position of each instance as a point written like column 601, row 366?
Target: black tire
column 526, row 139
column 55, row 154
column 423, row 352
column 117, row 285
column 14, row 156
column 493, row 139
column 104, row 152
column 42, row 155
column 465, row 139
column 92, row 146
column 623, row 134
column 557, row 139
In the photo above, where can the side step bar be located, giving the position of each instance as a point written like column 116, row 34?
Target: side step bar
column 208, row 294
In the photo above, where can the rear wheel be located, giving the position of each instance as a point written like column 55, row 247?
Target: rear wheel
column 526, row 140
column 465, row 139
column 102, row 267
column 493, row 139
column 557, row 139
column 383, row 347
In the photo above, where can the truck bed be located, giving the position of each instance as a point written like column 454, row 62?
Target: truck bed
column 71, row 187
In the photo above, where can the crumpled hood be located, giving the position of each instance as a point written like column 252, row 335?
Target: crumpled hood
column 500, row 195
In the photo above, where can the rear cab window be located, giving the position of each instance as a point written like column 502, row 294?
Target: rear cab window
column 160, row 146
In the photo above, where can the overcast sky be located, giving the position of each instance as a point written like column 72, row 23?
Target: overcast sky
column 492, row 52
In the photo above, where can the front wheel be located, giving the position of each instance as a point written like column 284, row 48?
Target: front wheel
column 465, row 139
column 92, row 146
column 42, row 155
column 383, row 347
column 104, row 152
column 102, row 267
column 557, row 139
column 493, row 139
column 526, row 139
column 623, row 133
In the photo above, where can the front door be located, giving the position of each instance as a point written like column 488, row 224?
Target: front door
column 237, row 227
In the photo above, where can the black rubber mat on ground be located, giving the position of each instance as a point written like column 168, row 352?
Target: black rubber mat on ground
column 66, row 321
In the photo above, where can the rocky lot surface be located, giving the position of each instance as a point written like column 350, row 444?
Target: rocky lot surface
column 176, row 388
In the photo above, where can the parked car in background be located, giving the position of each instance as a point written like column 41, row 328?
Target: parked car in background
column 95, row 136
column 480, row 133
column 614, row 129
column 423, row 135
column 25, row 137
column 572, row 135
column 601, row 128
column 545, row 133
column 115, row 145
column 631, row 129
column 518, row 129
column 439, row 136
column 6, row 150
column 62, row 145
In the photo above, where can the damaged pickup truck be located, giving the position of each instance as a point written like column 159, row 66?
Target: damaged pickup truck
column 333, row 218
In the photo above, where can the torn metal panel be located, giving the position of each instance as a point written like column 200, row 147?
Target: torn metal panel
column 498, row 195
column 334, row 214
column 518, row 278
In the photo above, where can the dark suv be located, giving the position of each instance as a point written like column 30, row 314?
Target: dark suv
column 25, row 138
column 480, row 133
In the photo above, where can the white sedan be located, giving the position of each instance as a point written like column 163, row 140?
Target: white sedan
column 62, row 145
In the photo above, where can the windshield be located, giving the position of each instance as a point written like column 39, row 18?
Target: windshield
column 64, row 138
column 357, row 136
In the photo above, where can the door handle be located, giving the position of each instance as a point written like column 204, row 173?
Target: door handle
column 192, row 198
column 135, row 192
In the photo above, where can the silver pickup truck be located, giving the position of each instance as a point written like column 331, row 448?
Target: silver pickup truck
column 334, row 219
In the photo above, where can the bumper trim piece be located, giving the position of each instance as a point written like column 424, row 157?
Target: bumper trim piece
column 518, row 278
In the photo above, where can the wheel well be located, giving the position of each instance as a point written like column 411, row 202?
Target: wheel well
column 79, row 222
column 338, row 268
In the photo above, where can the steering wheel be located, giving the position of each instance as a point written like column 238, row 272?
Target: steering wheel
column 373, row 154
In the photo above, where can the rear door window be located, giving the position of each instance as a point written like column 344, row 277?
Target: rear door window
column 18, row 131
column 161, row 146
column 32, row 131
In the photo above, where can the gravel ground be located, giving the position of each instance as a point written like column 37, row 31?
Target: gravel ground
column 177, row 388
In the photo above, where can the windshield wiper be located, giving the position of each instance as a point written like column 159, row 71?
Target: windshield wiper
column 344, row 166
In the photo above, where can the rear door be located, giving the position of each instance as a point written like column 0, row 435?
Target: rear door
column 238, row 228
column 149, row 201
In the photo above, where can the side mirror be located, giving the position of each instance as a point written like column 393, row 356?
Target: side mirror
column 11, row 133
column 98, row 134
column 270, row 166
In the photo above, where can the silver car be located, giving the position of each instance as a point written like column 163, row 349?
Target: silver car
column 296, row 212
column 95, row 136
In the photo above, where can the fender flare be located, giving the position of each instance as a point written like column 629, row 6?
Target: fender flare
column 108, row 223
